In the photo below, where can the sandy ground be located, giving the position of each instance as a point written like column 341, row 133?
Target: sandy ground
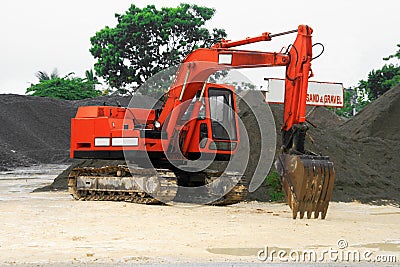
column 51, row 228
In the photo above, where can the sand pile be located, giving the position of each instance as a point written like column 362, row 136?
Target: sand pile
column 364, row 149
column 36, row 130
column 368, row 148
column 321, row 117
column 380, row 119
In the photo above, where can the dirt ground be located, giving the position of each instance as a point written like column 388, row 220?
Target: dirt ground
column 49, row 228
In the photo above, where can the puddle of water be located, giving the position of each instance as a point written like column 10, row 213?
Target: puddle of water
column 16, row 183
column 243, row 251
column 38, row 169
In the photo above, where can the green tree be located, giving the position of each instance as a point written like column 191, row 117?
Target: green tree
column 43, row 76
column 91, row 77
column 355, row 99
column 395, row 55
column 146, row 41
column 381, row 80
column 68, row 88
column 378, row 82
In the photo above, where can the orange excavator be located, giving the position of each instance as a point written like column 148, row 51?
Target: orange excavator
column 198, row 122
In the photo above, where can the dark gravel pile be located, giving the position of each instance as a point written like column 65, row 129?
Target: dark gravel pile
column 10, row 158
column 364, row 149
column 367, row 149
column 36, row 130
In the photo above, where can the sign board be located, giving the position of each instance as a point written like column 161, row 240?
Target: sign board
column 318, row 93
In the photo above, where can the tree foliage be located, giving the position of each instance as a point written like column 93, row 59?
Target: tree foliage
column 355, row 99
column 68, row 88
column 381, row 80
column 395, row 55
column 91, row 77
column 44, row 76
column 146, row 41
column 378, row 82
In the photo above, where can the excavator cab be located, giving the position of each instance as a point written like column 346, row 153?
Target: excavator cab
column 222, row 114
column 215, row 126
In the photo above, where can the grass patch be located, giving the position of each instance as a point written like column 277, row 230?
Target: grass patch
column 275, row 187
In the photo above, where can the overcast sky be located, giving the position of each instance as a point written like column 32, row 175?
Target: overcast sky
column 48, row 34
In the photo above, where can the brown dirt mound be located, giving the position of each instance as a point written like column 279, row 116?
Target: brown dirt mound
column 10, row 158
column 380, row 119
column 364, row 149
column 36, row 130
column 321, row 117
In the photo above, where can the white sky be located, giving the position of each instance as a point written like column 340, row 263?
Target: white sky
column 47, row 34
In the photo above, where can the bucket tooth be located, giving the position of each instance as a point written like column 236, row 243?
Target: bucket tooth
column 329, row 191
column 311, row 178
column 301, row 214
column 324, row 187
column 321, row 188
column 295, row 208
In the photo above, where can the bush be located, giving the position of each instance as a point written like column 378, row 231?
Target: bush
column 275, row 187
column 64, row 88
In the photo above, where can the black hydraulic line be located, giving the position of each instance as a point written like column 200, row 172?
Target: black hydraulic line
column 323, row 49
column 290, row 61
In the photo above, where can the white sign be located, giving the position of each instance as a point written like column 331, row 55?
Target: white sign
column 318, row 93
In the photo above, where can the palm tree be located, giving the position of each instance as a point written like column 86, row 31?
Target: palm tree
column 44, row 76
column 90, row 77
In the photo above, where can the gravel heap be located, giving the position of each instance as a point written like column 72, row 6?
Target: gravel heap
column 36, row 130
column 364, row 149
column 33, row 130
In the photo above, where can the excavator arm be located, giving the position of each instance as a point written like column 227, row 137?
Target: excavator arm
column 307, row 178
column 201, row 63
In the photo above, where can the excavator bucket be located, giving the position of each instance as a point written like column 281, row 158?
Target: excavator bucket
column 307, row 182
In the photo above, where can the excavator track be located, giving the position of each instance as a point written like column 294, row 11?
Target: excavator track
column 218, row 181
column 308, row 183
column 120, row 183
